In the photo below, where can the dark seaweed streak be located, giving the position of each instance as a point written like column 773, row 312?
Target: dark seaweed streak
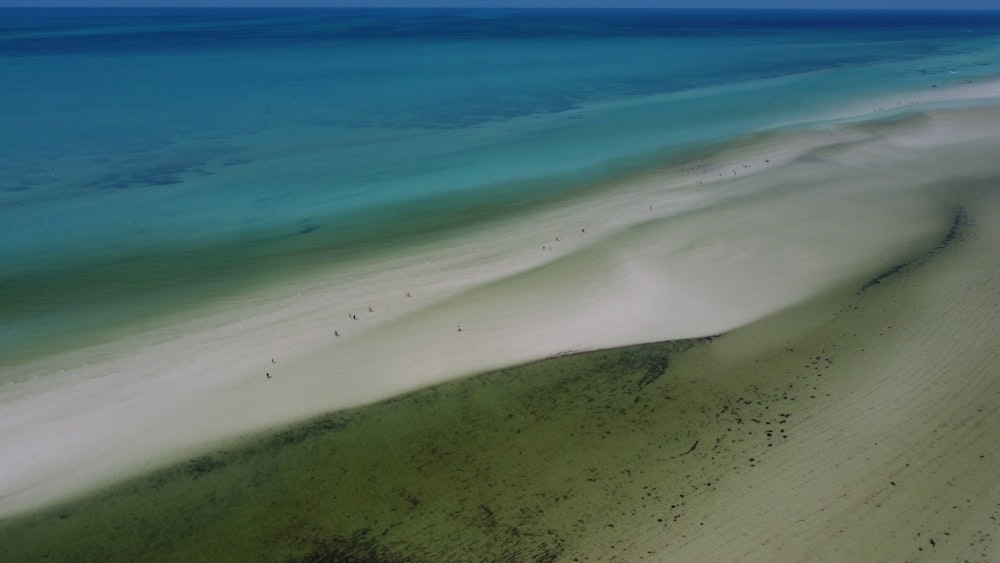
column 960, row 224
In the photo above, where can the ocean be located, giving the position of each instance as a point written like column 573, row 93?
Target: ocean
column 155, row 160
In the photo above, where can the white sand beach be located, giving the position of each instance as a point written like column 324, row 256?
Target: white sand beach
column 762, row 240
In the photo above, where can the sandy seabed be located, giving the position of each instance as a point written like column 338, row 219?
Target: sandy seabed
column 830, row 391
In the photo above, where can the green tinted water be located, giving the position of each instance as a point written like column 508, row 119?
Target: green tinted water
column 513, row 465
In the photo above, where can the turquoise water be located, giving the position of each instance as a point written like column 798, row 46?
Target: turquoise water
column 153, row 160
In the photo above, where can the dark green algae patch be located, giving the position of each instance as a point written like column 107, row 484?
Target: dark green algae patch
column 512, row 465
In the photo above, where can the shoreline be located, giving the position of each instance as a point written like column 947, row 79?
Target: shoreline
column 695, row 263
column 856, row 424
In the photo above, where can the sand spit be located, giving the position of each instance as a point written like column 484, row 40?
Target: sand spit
column 943, row 96
column 686, row 254
column 858, row 425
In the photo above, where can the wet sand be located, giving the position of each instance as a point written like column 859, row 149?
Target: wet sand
column 845, row 409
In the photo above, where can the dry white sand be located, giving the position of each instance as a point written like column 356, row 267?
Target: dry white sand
column 936, row 96
column 686, row 254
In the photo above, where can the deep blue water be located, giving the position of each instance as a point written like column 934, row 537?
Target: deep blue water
column 153, row 159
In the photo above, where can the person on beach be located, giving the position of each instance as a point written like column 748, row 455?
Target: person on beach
column 459, row 328
column 268, row 374
column 336, row 333
column 370, row 310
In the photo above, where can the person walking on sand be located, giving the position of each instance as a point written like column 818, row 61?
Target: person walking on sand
column 268, row 374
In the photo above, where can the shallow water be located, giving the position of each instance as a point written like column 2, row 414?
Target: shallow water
column 155, row 160
column 514, row 465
